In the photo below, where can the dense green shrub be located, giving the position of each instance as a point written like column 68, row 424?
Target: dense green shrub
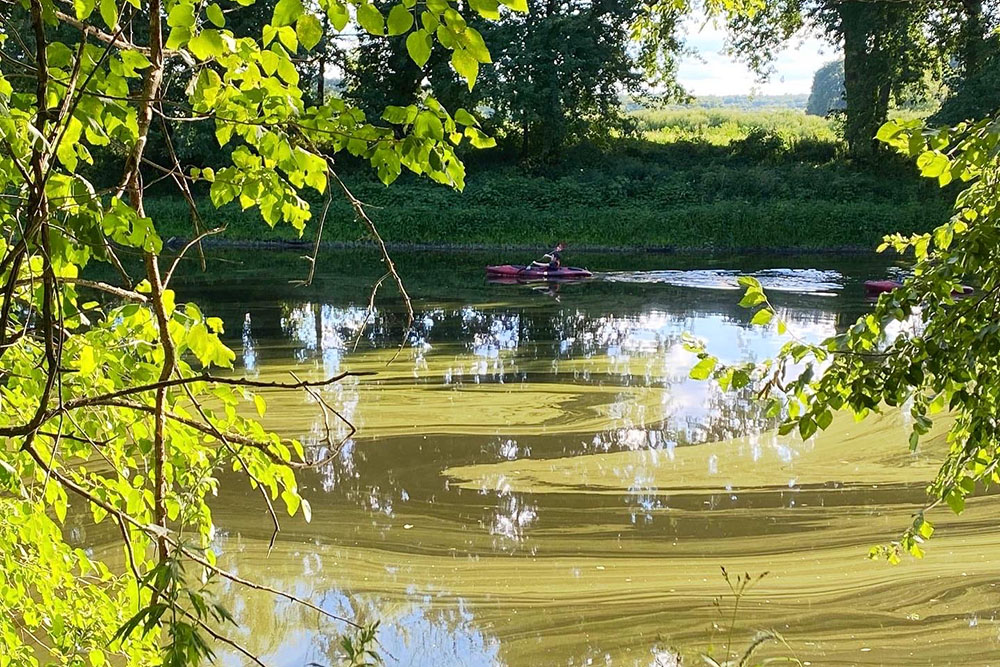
column 778, row 181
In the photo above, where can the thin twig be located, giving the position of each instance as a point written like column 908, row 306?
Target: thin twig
column 359, row 211
column 319, row 238
column 187, row 246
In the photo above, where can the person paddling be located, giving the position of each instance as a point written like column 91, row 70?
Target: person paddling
column 551, row 261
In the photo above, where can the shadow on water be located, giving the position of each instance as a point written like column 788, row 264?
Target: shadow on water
column 536, row 480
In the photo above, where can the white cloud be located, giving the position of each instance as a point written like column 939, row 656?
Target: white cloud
column 713, row 72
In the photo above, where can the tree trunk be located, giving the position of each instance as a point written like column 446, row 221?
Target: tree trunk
column 973, row 36
column 867, row 78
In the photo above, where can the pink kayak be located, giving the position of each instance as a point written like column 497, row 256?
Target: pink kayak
column 876, row 287
column 881, row 286
column 512, row 271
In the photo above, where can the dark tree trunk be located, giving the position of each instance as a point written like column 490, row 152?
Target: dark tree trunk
column 867, row 77
column 973, row 36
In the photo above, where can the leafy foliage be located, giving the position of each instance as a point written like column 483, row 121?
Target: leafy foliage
column 976, row 95
column 929, row 348
column 889, row 48
column 117, row 394
column 827, row 92
column 699, row 180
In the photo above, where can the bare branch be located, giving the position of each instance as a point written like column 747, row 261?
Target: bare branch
column 187, row 246
column 156, row 531
column 359, row 211
column 101, row 36
column 319, row 239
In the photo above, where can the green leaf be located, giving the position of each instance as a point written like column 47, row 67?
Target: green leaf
column 478, row 139
column 418, row 45
column 400, row 20
column 463, row 117
column 762, row 317
column 488, row 9
column 517, row 5
column 955, row 501
column 135, row 60
column 287, row 71
column 207, row 44
column 215, row 15
column 260, row 404
column 466, row 66
column 476, row 47
column 932, row 164
column 703, row 369
column 109, row 12
column 58, row 54
column 309, row 31
column 427, row 125
column 292, row 501
column 753, row 297
column 83, row 8
column 888, row 131
column 338, row 16
column 287, row 36
column 178, row 37
column 371, row 19
column 287, row 12
column 181, row 16
column 807, row 427
column 399, row 115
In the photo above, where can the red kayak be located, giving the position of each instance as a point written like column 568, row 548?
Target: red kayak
column 881, row 286
column 512, row 271
column 876, row 287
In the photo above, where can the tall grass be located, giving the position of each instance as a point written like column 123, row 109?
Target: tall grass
column 720, row 127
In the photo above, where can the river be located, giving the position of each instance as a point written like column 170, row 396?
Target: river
column 535, row 480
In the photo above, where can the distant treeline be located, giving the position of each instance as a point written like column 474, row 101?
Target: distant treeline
column 750, row 101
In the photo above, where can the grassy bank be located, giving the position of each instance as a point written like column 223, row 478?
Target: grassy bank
column 699, row 179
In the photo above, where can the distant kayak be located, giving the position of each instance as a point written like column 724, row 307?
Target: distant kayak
column 881, row 286
column 514, row 271
column 876, row 287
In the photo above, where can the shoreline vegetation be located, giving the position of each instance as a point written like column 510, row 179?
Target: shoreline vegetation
column 691, row 180
column 176, row 243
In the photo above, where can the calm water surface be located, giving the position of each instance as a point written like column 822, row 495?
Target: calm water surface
column 535, row 481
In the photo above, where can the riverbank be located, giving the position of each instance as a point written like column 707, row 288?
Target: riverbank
column 718, row 184
column 177, row 242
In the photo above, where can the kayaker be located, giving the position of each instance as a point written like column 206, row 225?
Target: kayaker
column 552, row 260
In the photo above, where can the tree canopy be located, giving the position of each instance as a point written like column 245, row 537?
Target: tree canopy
column 888, row 48
column 827, row 92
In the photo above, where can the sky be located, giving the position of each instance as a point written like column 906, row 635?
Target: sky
column 712, row 72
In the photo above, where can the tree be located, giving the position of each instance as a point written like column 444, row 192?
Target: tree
column 929, row 348
column 977, row 95
column 560, row 71
column 827, row 92
column 557, row 74
column 122, row 373
column 888, row 47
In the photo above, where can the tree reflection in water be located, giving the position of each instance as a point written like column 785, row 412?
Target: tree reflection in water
column 573, row 414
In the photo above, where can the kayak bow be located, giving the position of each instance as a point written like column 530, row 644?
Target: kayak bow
column 514, row 271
